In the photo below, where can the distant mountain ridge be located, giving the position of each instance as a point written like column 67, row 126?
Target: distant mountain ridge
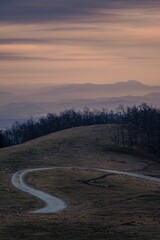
column 24, row 110
column 61, row 97
column 6, row 97
column 77, row 91
column 91, row 91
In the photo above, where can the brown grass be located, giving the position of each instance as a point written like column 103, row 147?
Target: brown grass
column 126, row 209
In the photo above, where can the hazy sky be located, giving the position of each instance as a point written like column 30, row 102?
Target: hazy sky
column 98, row 41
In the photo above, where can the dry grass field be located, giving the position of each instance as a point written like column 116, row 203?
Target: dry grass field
column 113, row 207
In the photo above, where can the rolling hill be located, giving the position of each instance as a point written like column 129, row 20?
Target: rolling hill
column 128, row 205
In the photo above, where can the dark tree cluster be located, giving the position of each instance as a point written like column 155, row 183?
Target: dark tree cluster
column 31, row 129
column 136, row 127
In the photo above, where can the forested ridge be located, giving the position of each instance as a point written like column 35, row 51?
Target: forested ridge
column 136, row 127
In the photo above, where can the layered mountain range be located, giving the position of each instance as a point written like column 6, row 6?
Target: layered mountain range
column 20, row 102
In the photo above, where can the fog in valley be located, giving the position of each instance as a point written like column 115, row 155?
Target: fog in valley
column 21, row 102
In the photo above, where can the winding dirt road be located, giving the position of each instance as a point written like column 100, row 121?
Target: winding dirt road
column 54, row 204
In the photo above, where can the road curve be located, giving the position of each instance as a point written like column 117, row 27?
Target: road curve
column 54, row 204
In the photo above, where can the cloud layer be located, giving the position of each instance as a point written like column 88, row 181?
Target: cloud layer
column 79, row 40
column 35, row 11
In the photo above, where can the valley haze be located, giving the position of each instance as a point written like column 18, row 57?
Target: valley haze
column 20, row 102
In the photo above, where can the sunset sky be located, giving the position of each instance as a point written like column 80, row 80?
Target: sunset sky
column 77, row 41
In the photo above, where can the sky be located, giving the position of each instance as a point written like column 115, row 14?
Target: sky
column 79, row 41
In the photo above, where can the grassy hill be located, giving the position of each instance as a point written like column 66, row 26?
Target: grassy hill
column 82, row 146
column 126, row 209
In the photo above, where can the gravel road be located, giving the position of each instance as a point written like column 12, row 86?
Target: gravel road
column 54, row 204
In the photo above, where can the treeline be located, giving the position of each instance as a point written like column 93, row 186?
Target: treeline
column 136, row 128
column 31, row 129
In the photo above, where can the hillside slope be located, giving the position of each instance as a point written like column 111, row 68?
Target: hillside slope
column 77, row 146
column 114, row 207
